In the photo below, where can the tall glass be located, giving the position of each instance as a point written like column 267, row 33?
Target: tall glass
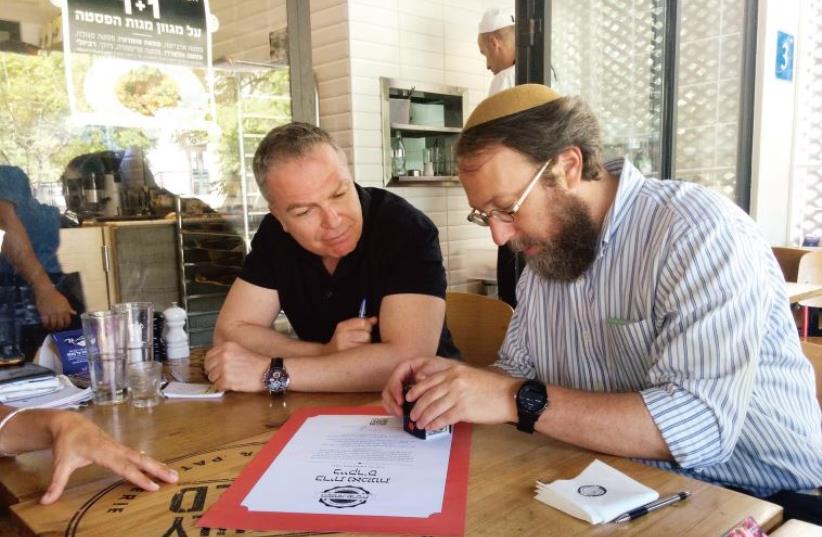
column 105, row 334
column 139, row 330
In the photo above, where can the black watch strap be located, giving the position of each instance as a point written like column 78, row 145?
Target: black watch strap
column 532, row 400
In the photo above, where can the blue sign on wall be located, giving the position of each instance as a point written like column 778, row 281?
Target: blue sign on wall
column 784, row 56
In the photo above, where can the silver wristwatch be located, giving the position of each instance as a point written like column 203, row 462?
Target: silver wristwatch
column 276, row 377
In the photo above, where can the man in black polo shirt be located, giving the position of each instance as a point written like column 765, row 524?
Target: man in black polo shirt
column 358, row 271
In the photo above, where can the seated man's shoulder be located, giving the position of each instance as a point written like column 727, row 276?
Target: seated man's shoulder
column 694, row 206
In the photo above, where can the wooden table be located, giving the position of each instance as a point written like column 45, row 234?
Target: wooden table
column 192, row 435
column 802, row 291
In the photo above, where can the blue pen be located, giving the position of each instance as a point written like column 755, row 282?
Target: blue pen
column 361, row 313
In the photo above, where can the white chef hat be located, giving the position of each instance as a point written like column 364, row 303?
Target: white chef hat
column 496, row 18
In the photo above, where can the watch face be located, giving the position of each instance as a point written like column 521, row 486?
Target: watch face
column 532, row 397
column 277, row 381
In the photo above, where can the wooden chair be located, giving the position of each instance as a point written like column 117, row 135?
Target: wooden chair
column 797, row 528
column 809, row 271
column 813, row 352
column 788, row 259
column 478, row 324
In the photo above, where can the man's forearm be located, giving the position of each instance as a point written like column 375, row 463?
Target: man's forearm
column 614, row 423
column 361, row 369
column 266, row 341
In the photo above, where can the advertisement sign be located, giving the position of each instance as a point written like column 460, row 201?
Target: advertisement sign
column 162, row 31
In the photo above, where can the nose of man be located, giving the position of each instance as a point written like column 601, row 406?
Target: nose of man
column 501, row 232
column 331, row 219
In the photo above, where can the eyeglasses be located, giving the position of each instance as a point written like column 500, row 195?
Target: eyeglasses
column 481, row 218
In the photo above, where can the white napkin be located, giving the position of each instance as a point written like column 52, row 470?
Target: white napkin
column 187, row 390
column 599, row 494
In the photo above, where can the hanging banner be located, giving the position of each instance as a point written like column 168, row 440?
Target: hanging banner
column 161, row 31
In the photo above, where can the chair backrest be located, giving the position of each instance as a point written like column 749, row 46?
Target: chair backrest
column 478, row 324
column 788, row 259
column 810, row 271
column 813, row 352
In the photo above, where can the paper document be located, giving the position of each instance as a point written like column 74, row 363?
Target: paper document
column 599, row 494
column 355, row 465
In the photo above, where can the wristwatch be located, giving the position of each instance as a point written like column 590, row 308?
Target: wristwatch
column 276, row 378
column 532, row 400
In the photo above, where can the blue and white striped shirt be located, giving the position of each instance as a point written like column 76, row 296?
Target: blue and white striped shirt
column 686, row 305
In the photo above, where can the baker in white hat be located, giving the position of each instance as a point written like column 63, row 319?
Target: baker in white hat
column 497, row 42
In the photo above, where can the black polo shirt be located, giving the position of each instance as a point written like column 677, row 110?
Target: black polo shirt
column 398, row 252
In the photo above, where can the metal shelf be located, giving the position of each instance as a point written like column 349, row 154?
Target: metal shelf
column 425, row 129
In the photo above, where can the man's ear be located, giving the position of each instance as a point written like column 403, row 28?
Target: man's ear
column 570, row 159
column 494, row 42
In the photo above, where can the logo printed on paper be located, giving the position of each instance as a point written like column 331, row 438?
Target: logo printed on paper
column 343, row 497
column 591, row 490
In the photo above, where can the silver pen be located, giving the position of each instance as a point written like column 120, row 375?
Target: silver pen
column 361, row 313
column 653, row 506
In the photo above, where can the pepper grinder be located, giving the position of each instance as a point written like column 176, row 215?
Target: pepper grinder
column 175, row 335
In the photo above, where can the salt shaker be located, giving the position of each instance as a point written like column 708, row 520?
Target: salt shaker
column 175, row 335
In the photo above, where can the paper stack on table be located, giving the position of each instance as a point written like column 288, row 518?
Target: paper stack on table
column 599, row 494
column 66, row 395
column 26, row 380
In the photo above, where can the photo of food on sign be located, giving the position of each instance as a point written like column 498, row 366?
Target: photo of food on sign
column 146, row 89
column 140, row 94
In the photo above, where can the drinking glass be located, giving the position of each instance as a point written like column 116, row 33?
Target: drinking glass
column 105, row 334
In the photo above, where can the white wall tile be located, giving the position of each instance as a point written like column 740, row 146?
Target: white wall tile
column 417, row 41
column 367, row 50
column 365, row 85
column 360, row 12
column 369, row 138
column 422, row 24
column 368, row 120
column 361, row 67
column 374, row 32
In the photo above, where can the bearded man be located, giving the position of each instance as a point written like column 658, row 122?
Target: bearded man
column 652, row 319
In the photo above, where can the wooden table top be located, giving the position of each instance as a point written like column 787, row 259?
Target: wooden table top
column 209, row 442
column 802, row 291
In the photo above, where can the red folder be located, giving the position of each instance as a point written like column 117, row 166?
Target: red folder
column 228, row 512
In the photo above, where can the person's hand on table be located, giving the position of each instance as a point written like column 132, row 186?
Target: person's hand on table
column 350, row 333
column 77, row 442
column 230, row 366
column 446, row 392
column 55, row 310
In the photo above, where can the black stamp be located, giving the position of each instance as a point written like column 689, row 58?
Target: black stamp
column 342, row 497
column 411, row 427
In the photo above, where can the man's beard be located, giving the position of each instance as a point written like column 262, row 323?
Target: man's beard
column 570, row 252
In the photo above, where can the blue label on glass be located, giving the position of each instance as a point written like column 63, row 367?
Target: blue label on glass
column 784, row 56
